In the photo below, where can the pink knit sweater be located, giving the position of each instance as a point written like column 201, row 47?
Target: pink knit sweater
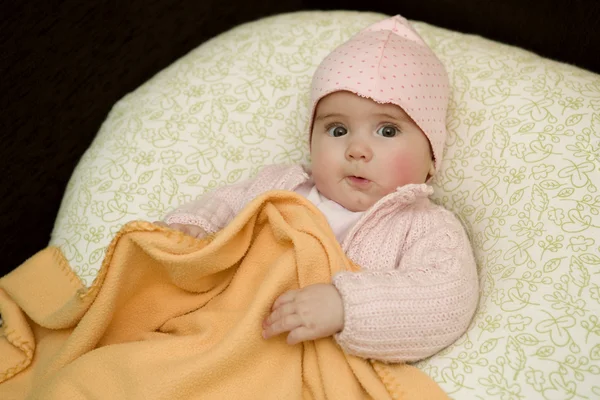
column 418, row 287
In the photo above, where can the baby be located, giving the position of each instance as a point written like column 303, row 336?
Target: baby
column 377, row 132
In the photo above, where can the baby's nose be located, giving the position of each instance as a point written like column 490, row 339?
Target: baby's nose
column 358, row 150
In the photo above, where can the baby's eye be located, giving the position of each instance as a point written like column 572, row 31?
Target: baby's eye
column 388, row 131
column 337, row 131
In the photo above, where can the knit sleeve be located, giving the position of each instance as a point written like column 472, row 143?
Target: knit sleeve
column 421, row 307
column 213, row 211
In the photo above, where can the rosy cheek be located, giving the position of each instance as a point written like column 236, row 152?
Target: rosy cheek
column 320, row 166
column 318, row 161
column 408, row 169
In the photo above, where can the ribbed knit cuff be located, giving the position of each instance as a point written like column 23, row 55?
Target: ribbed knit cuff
column 191, row 219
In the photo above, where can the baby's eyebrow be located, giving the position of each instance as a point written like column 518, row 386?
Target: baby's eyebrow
column 329, row 115
column 398, row 116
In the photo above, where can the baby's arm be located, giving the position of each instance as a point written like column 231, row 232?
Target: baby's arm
column 213, row 211
column 423, row 306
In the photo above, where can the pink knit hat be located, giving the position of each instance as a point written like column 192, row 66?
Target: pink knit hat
column 389, row 62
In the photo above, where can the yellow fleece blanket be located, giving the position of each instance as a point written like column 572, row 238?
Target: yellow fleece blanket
column 173, row 317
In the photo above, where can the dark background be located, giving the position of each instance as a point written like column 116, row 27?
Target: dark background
column 63, row 64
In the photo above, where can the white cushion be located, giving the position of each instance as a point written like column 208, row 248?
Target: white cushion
column 521, row 170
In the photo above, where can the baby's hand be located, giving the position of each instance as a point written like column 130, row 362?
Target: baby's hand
column 308, row 314
column 192, row 230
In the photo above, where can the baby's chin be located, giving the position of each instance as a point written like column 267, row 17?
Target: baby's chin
column 357, row 204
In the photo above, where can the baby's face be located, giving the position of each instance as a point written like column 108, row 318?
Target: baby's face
column 362, row 150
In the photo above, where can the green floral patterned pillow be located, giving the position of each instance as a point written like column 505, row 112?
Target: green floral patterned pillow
column 521, row 170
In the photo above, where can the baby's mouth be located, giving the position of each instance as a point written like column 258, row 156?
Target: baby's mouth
column 358, row 181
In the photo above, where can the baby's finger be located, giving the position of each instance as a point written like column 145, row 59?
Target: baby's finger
column 300, row 334
column 177, row 227
column 195, row 231
column 286, row 324
column 281, row 312
column 187, row 229
column 287, row 297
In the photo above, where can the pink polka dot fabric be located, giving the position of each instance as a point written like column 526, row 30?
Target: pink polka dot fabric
column 390, row 63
